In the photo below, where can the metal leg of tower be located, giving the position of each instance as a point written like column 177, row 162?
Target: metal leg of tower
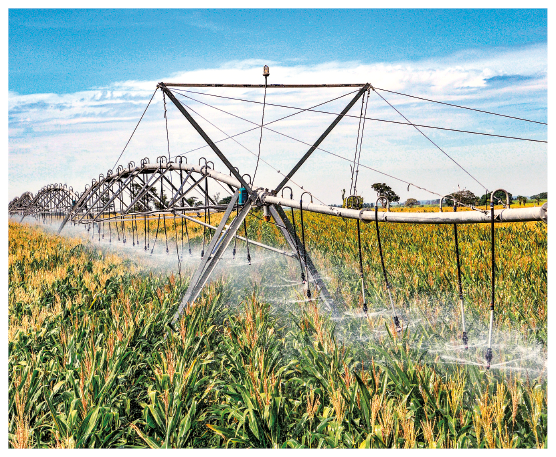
column 209, row 261
column 286, row 228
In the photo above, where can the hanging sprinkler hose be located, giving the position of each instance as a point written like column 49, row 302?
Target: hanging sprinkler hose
column 166, row 234
column 356, row 202
column 295, row 235
column 177, row 247
column 242, row 200
column 388, row 287
column 145, row 219
column 235, row 237
column 156, row 237
column 303, row 241
column 361, row 274
column 464, row 337
column 488, row 355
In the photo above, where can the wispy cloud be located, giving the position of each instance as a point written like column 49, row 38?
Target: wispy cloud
column 83, row 132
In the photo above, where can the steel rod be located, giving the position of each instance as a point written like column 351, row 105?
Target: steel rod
column 270, row 86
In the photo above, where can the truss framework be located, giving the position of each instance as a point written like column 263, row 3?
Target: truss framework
column 151, row 190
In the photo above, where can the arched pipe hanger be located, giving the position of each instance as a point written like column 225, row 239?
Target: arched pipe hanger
column 460, row 217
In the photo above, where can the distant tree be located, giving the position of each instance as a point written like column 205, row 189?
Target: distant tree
column 143, row 203
column 225, row 200
column 386, row 191
column 162, row 201
column 539, row 197
column 499, row 196
column 193, row 201
column 521, row 199
column 463, row 196
column 411, row 202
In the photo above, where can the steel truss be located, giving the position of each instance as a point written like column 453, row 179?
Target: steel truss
column 155, row 190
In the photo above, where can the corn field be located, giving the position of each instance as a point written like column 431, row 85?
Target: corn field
column 91, row 364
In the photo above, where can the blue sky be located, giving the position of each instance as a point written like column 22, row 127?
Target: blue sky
column 68, row 50
column 80, row 79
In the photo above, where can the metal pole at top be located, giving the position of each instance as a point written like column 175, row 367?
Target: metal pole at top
column 270, row 86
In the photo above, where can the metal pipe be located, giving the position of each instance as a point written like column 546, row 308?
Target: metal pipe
column 255, row 243
column 537, row 213
column 270, row 86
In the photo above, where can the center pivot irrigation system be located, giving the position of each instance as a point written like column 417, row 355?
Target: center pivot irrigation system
column 132, row 195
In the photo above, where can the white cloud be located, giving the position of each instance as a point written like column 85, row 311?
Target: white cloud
column 74, row 137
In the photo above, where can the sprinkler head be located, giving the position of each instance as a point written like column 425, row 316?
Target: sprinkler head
column 234, row 254
column 465, row 339
column 397, row 324
column 488, row 357
column 365, row 309
column 308, row 293
column 249, row 259
column 203, row 253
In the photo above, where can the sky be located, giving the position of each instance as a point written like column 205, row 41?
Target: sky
column 79, row 81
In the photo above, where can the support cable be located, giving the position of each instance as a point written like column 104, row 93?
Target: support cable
column 140, row 119
column 438, row 147
column 166, row 122
column 261, row 136
column 228, row 137
column 462, row 107
column 375, row 119
column 351, row 192
column 361, row 144
column 305, row 143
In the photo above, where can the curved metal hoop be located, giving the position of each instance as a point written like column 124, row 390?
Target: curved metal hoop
column 291, row 191
column 383, row 199
column 508, row 203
